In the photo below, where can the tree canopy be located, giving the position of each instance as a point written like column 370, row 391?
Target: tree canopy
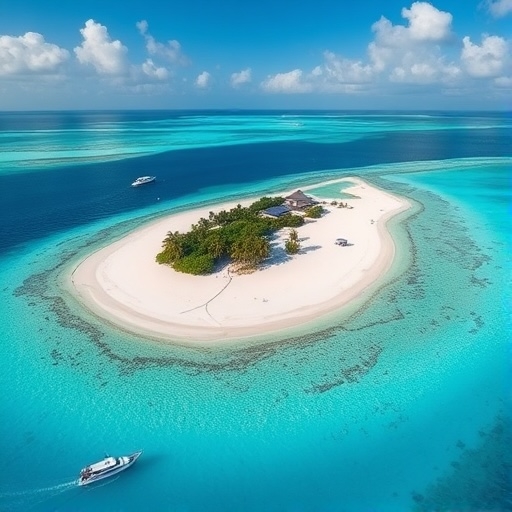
column 314, row 212
column 240, row 235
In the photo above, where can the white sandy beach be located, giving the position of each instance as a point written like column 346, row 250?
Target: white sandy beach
column 123, row 284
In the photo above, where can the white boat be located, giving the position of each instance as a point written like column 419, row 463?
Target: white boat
column 143, row 180
column 105, row 468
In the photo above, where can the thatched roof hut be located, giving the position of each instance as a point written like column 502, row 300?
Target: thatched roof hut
column 299, row 200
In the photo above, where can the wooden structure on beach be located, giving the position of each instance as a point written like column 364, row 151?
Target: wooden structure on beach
column 299, row 200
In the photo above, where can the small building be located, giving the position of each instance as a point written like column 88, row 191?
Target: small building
column 299, row 200
column 276, row 211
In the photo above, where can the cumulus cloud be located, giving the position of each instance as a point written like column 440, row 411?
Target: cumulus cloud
column 171, row 51
column 402, row 53
column 142, row 25
column 345, row 70
column 413, row 53
column 290, row 82
column 243, row 77
column 409, row 53
column 29, row 53
column 499, row 8
column 425, row 72
column 419, row 50
column 203, row 80
column 422, row 66
column 97, row 49
column 405, row 54
column 486, row 60
column 150, row 69
column 426, row 23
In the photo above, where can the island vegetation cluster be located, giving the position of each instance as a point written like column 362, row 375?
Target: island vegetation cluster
column 240, row 236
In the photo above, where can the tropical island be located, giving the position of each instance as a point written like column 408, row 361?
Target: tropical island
column 196, row 294
column 240, row 236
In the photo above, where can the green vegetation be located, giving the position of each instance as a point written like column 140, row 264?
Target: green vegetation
column 266, row 202
column 292, row 245
column 239, row 235
column 314, row 212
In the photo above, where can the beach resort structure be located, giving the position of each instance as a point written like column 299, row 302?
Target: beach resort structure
column 276, row 211
column 299, row 200
column 286, row 292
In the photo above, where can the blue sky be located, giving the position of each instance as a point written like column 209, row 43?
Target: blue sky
column 265, row 54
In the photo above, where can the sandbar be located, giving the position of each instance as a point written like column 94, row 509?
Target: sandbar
column 123, row 284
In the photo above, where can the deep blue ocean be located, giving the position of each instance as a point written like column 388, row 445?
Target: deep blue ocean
column 402, row 404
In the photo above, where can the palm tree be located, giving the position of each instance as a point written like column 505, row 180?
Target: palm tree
column 203, row 224
column 250, row 250
column 292, row 246
column 260, row 248
column 215, row 244
column 222, row 218
column 173, row 246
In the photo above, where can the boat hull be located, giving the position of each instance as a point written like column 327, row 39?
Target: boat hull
column 125, row 463
column 144, row 180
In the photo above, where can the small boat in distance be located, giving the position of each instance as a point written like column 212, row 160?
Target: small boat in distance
column 109, row 466
column 143, row 180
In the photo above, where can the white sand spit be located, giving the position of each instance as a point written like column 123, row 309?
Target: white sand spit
column 124, row 284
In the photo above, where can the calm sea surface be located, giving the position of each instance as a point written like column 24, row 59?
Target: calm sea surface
column 402, row 405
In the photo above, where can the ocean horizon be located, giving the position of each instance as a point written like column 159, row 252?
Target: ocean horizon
column 402, row 405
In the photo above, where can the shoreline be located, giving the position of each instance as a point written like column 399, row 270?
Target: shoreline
column 122, row 284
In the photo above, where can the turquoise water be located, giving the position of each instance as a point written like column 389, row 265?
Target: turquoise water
column 331, row 191
column 404, row 405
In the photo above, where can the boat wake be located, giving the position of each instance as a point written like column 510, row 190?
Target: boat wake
column 30, row 498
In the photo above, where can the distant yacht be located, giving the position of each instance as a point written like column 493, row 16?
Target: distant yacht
column 109, row 466
column 143, row 180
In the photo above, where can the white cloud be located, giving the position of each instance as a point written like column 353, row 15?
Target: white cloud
column 426, row 23
column 345, row 70
column 170, row 51
column 142, row 25
column 29, row 53
column 203, row 80
column 108, row 57
column 153, row 71
column 389, row 35
column 290, row 82
column 424, row 69
column 406, row 54
column 423, row 72
column 487, row 60
column 243, row 77
column 499, row 8
column 413, row 53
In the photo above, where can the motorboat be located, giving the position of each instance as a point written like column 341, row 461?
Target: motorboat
column 105, row 468
column 143, row 180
